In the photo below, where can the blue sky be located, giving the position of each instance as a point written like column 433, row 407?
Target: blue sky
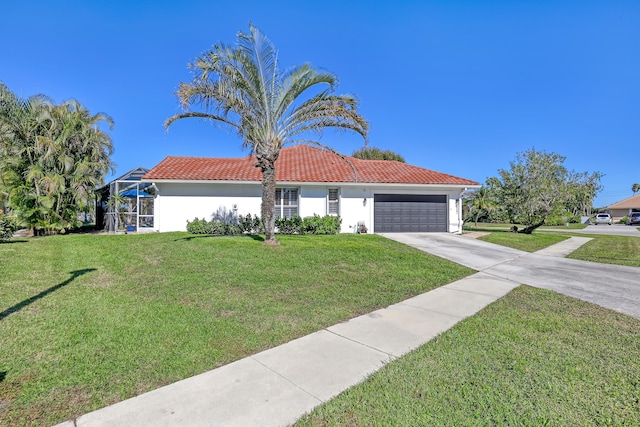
column 460, row 87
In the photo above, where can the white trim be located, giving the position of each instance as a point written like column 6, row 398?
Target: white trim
column 200, row 181
column 444, row 187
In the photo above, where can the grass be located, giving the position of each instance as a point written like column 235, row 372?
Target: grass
column 605, row 249
column 620, row 250
column 525, row 242
column 532, row 358
column 89, row 320
column 491, row 226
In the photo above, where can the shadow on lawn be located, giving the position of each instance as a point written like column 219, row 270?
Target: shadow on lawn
column 23, row 304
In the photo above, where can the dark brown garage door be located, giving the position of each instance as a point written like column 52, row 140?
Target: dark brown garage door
column 409, row 213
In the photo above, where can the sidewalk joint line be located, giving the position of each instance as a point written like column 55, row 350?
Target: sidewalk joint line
column 286, row 379
column 472, row 292
column 362, row 344
column 455, row 316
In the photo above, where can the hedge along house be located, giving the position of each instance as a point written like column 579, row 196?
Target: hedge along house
column 385, row 196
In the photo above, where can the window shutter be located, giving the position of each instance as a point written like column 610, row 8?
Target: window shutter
column 334, row 202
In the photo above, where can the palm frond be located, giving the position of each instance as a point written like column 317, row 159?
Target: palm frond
column 324, row 111
column 196, row 114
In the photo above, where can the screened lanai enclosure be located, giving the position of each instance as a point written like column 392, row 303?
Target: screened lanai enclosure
column 126, row 204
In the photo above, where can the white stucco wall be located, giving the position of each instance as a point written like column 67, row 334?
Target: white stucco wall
column 312, row 200
column 176, row 203
column 353, row 208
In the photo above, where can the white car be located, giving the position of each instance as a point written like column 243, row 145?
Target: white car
column 603, row 218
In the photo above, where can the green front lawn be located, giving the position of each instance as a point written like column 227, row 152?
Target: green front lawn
column 605, row 249
column 621, row 250
column 533, row 358
column 503, row 226
column 524, row 242
column 89, row 320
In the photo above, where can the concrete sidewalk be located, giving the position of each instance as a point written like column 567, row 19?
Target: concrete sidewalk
column 565, row 247
column 277, row 386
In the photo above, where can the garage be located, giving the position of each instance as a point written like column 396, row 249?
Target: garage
column 409, row 213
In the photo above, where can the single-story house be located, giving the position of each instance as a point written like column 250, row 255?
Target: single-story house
column 624, row 207
column 385, row 196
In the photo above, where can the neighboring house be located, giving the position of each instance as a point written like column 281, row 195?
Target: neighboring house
column 386, row 196
column 624, row 207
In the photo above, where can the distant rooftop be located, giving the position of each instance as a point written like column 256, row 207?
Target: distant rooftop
column 630, row 203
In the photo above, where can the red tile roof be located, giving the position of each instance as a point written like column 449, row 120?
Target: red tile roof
column 300, row 163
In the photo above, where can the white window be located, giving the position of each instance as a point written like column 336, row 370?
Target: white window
column 286, row 202
column 333, row 202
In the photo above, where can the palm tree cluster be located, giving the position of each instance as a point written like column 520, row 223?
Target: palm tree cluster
column 52, row 159
column 243, row 87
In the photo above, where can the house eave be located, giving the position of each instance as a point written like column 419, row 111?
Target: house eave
column 198, row 181
column 317, row 183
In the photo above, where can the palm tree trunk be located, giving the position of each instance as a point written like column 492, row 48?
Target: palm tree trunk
column 268, row 168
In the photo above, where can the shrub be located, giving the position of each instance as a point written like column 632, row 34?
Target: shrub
column 554, row 220
column 198, row 226
column 562, row 219
column 624, row 219
column 8, row 226
column 250, row 224
column 311, row 225
column 322, row 225
column 225, row 216
column 224, row 223
column 293, row 225
column 215, row 226
column 574, row 219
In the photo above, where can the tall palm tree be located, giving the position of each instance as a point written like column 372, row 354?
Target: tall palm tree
column 242, row 87
column 635, row 188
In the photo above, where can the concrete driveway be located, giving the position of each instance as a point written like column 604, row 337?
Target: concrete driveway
column 611, row 286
